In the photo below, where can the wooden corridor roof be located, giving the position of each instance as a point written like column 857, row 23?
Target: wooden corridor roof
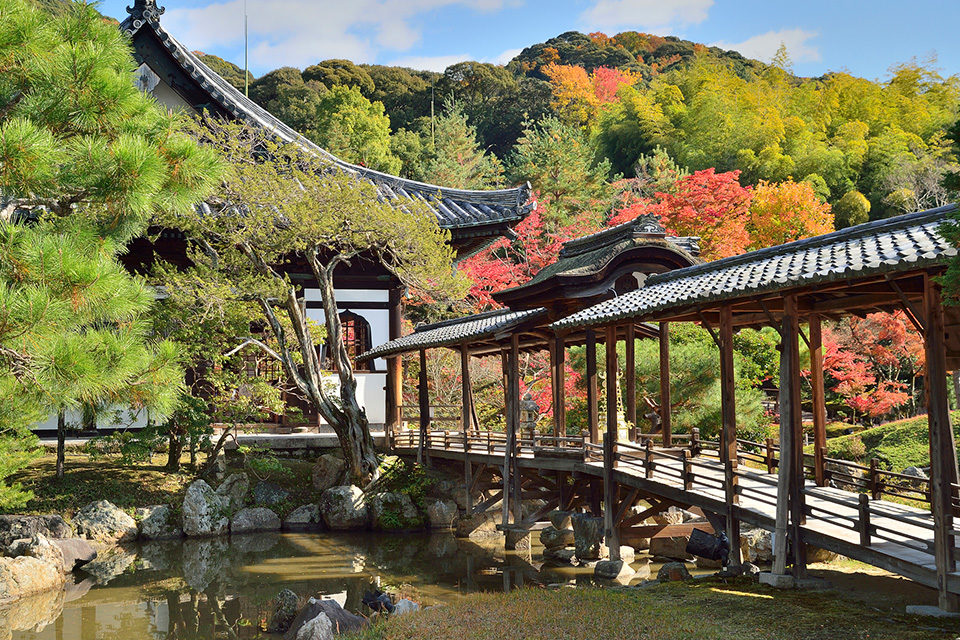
column 882, row 248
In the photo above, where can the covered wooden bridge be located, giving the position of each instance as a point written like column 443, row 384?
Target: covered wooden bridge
column 805, row 498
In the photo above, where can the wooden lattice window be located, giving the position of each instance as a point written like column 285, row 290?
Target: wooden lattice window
column 356, row 337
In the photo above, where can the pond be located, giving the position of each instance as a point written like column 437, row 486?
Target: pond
column 222, row 588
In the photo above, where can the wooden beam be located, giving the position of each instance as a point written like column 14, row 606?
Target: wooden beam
column 514, row 469
column 666, row 427
column 610, row 487
column 728, row 454
column 593, row 408
column 819, row 407
column 394, row 387
column 465, row 420
column 630, row 376
column 424, row 397
column 558, row 354
column 507, row 417
column 943, row 463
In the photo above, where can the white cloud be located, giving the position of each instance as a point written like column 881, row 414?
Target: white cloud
column 506, row 56
column 764, row 46
column 302, row 32
column 430, row 63
column 646, row 14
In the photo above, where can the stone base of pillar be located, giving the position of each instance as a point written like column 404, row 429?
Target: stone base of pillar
column 787, row 581
column 516, row 540
column 930, row 611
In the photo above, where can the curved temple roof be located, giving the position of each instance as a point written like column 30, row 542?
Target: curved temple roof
column 903, row 243
column 465, row 211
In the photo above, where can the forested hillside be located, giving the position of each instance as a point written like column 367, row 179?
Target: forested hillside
column 870, row 149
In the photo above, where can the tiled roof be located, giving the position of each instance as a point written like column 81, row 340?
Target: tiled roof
column 884, row 246
column 458, row 209
column 451, row 332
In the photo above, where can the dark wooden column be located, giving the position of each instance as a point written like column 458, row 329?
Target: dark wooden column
column 466, row 414
column 630, row 377
column 610, row 487
column 424, row 397
column 593, row 408
column 819, row 407
column 943, row 463
column 507, row 417
column 790, row 474
column 394, row 387
column 558, row 358
column 515, row 425
column 728, row 402
column 665, row 426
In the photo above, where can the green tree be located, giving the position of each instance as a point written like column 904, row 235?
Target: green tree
column 453, row 158
column 351, row 127
column 331, row 73
column 558, row 161
column 85, row 161
column 852, row 209
column 227, row 70
column 294, row 205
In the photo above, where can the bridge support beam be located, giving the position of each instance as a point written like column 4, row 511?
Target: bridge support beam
column 943, row 462
column 611, row 489
column 466, row 416
column 728, row 453
column 819, row 402
column 630, row 380
column 558, row 358
column 593, row 408
column 424, row 397
column 665, row 401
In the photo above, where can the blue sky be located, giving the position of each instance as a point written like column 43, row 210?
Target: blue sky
column 864, row 37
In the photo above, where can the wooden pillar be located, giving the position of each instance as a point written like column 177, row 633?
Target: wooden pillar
column 558, row 358
column 630, row 376
column 593, row 408
column 394, row 388
column 665, row 427
column 424, row 397
column 728, row 401
column 610, row 488
column 466, row 414
column 507, row 417
column 943, row 463
column 790, row 477
column 819, row 407
column 515, row 425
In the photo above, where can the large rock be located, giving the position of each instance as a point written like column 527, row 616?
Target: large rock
column 269, row 494
column 103, row 521
column 756, row 546
column 672, row 515
column 328, row 472
column 33, row 614
column 340, row 621
column 673, row 547
column 449, row 490
column 25, row 575
column 391, row 511
column 816, row 554
column 76, row 552
column 41, row 548
column 157, row 523
column 442, row 514
column 673, row 572
column 559, row 519
column 14, row 527
column 284, row 611
column 234, row 491
column 318, row 628
column 552, row 538
column 478, row 525
column 616, row 570
column 109, row 565
column 305, row 518
column 587, row 536
column 204, row 512
column 344, row 508
column 254, row 519
column 559, row 555
column 405, row 606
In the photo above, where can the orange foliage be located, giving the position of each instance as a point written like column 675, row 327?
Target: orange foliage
column 786, row 211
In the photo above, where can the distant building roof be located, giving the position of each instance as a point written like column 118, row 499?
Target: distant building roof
column 899, row 244
column 466, row 213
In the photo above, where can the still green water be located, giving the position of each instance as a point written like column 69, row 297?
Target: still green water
column 222, row 588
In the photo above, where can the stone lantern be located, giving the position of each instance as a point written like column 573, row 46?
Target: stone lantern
column 529, row 414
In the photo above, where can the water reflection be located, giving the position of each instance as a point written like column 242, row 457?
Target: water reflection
column 220, row 588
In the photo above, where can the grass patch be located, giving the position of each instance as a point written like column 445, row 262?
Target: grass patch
column 130, row 486
column 702, row 610
column 903, row 443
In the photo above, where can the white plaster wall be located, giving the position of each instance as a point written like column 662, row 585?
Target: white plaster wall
column 371, row 394
column 379, row 319
column 105, row 420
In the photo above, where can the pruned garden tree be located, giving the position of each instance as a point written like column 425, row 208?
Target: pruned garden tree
column 85, row 161
column 282, row 205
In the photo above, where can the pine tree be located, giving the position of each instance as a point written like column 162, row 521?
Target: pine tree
column 85, row 161
column 454, row 158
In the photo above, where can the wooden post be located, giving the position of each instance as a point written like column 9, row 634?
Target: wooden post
column 424, row 396
column 515, row 424
column 611, row 533
column 943, row 463
column 728, row 438
column 593, row 409
column 819, row 402
column 466, row 417
column 558, row 358
column 789, row 490
column 665, row 426
column 630, row 376
column 507, row 417
column 863, row 523
column 394, row 388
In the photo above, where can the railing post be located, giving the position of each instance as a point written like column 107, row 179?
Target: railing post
column 687, row 472
column 874, row 479
column 695, row 442
column 864, row 519
column 648, row 461
column 770, row 460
